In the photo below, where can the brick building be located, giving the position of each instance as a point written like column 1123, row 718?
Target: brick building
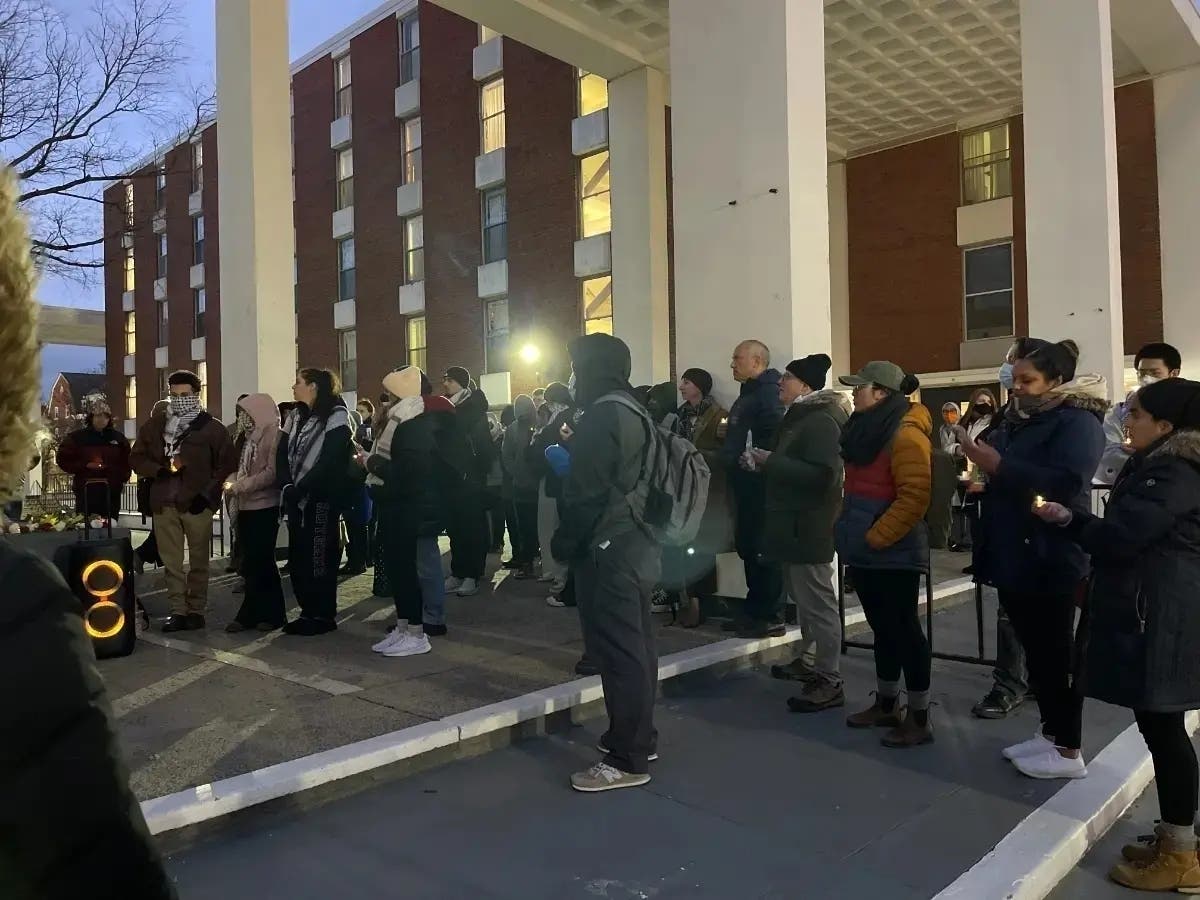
column 451, row 204
column 70, row 397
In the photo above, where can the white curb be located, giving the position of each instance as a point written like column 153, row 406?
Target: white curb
column 1043, row 849
column 228, row 795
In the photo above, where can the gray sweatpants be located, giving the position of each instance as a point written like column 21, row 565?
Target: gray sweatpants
column 810, row 587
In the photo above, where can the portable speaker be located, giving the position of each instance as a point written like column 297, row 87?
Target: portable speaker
column 100, row 573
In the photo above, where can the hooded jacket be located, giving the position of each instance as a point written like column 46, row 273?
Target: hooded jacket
column 472, row 422
column 257, row 487
column 515, row 449
column 947, row 439
column 1052, row 455
column 606, row 450
column 1143, row 624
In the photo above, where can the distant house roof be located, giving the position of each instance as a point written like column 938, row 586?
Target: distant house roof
column 83, row 384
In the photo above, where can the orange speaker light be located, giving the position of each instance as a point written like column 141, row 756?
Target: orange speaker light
column 99, row 565
column 102, row 633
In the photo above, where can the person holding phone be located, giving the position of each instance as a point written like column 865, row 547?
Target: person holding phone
column 1142, row 624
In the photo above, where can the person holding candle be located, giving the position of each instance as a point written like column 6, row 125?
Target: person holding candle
column 1048, row 446
column 98, row 456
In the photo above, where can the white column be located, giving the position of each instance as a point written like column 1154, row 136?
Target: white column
column 638, row 157
column 750, row 181
column 1177, row 127
column 258, row 330
column 1072, row 225
column 839, row 269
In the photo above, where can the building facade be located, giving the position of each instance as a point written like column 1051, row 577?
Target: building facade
column 452, row 205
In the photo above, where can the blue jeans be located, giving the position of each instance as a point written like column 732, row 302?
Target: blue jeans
column 433, row 581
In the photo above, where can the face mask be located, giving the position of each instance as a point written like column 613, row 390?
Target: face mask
column 244, row 422
column 182, row 406
column 1147, row 380
column 1005, row 376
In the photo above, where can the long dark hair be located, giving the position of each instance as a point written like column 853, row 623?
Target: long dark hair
column 329, row 390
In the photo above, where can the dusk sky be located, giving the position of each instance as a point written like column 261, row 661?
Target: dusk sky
column 310, row 22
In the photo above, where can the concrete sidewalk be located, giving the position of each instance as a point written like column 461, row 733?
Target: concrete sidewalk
column 748, row 801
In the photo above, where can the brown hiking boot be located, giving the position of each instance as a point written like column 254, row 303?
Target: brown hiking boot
column 877, row 716
column 796, row 670
column 1168, row 871
column 816, row 696
column 1145, row 849
column 908, row 733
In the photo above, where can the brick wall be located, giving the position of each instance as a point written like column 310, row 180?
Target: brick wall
column 179, row 258
column 114, row 286
column 450, row 126
column 544, row 294
column 145, row 261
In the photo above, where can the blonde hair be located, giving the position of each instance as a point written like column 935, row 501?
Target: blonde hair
column 21, row 370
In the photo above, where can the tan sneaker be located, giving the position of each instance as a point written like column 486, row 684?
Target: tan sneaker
column 877, row 717
column 1145, row 849
column 1167, row 871
column 603, row 777
column 816, row 696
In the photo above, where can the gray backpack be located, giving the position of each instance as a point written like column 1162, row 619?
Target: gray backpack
column 671, row 491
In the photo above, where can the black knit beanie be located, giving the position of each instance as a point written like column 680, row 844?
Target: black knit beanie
column 459, row 374
column 1174, row 400
column 700, row 379
column 812, row 370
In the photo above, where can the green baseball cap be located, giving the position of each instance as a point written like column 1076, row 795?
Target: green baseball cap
column 884, row 374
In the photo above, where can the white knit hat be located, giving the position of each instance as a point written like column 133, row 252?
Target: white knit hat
column 403, row 383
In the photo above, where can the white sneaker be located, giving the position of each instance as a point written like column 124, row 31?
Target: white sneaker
column 545, row 579
column 553, row 600
column 391, row 638
column 453, row 584
column 467, row 587
column 409, row 645
column 1051, row 764
column 1039, row 743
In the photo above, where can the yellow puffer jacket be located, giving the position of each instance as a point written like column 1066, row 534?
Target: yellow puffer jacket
column 911, row 453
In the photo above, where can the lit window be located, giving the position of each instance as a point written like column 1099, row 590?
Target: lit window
column 495, row 225
column 129, row 205
column 496, row 334
column 491, row 114
column 410, row 49
column 595, row 202
column 597, row 305
column 348, row 358
column 129, row 269
column 160, row 187
column 988, row 289
column 410, row 138
column 414, row 249
column 416, row 342
column 130, row 333
column 345, row 178
column 986, row 164
column 197, row 240
column 162, row 256
column 202, row 374
column 341, row 79
column 592, row 94
column 163, row 329
column 199, row 307
column 130, row 398
column 346, row 270
column 197, row 166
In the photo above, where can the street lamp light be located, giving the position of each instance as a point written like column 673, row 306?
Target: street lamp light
column 530, row 354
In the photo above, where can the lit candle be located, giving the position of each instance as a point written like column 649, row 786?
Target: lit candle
column 1039, row 501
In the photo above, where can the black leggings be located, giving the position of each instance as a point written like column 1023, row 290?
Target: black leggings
column 889, row 599
column 1045, row 625
column 1175, row 770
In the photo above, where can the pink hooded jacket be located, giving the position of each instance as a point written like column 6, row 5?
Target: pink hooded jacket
column 254, row 484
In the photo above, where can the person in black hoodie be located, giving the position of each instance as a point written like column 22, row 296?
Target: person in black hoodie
column 615, row 563
column 468, row 525
column 753, row 420
column 1142, row 626
column 318, row 461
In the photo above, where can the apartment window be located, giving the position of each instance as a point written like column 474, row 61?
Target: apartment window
column 199, row 308
column 163, row 327
column 410, row 49
column 597, row 305
column 345, row 178
column 348, row 358
column 410, row 140
column 988, row 288
column 414, row 249
column 495, row 225
column 129, row 269
column 160, row 188
column 491, row 114
column 197, row 166
column 202, row 374
column 162, row 256
column 595, row 201
column 130, row 333
column 417, row 343
column 496, row 335
column 592, row 94
column 341, row 79
column 129, row 206
column 197, row 240
column 131, row 398
column 346, row 270
column 986, row 164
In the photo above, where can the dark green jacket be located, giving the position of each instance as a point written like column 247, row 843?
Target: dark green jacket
column 70, row 826
column 804, row 480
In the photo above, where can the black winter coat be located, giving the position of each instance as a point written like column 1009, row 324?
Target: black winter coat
column 409, row 498
column 69, row 825
column 758, row 411
column 473, row 423
column 1052, row 455
column 1142, row 633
